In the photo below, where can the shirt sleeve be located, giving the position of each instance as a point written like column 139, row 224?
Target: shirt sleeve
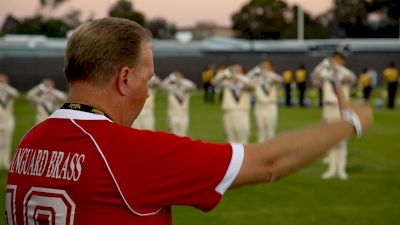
column 233, row 169
column 154, row 169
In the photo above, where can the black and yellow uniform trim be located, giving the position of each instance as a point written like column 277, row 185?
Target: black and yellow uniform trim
column 83, row 108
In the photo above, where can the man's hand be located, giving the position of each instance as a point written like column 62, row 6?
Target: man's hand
column 290, row 151
column 363, row 111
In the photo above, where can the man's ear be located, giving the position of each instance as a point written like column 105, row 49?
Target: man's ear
column 122, row 80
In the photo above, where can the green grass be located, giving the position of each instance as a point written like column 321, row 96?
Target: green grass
column 370, row 196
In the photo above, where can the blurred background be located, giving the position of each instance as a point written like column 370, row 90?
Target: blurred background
column 190, row 35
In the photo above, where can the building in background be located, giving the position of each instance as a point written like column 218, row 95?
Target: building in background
column 204, row 30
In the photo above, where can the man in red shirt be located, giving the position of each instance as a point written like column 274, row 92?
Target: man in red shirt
column 84, row 165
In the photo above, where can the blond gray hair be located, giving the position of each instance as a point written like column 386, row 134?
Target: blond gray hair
column 97, row 50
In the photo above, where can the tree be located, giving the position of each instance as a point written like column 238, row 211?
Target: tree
column 43, row 23
column 387, row 15
column 30, row 25
column 38, row 25
column 313, row 28
column 10, row 25
column 72, row 18
column 124, row 9
column 352, row 17
column 391, row 8
column 273, row 19
column 54, row 28
column 48, row 6
column 160, row 28
column 363, row 19
column 51, row 3
column 261, row 19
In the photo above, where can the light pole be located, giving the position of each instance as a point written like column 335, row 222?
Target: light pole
column 300, row 23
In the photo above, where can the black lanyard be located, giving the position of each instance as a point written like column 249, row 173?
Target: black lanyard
column 84, row 108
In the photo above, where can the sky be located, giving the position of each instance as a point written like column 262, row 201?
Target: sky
column 180, row 12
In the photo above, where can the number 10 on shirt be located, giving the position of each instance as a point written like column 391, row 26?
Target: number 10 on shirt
column 53, row 206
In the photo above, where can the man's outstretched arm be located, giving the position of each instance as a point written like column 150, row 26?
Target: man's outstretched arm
column 277, row 157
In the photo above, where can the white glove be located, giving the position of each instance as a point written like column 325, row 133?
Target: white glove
column 43, row 87
column 172, row 77
column 227, row 73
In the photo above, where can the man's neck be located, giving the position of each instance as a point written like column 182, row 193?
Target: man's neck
column 99, row 98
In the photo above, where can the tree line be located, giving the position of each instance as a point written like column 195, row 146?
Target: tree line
column 43, row 22
column 257, row 19
column 275, row 19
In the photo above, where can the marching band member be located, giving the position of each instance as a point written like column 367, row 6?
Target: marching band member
column 7, row 121
column 266, row 83
column 330, row 69
column 46, row 98
column 179, row 89
column 236, row 88
column 145, row 120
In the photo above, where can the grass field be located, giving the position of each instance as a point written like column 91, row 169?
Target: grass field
column 371, row 195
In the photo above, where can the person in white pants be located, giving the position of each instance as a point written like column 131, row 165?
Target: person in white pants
column 146, row 120
column 179, row 90
column 266, row 83
column 330, row 69
column 46, row 99
column 236, row 89
column 7, row 122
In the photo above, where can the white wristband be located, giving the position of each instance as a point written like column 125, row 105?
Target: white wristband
column 351, row 117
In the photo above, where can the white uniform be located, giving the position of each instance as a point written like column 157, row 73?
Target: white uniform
column 337, row 157
column 7, row 122
column 145, row 120
column 179, row 91
column 266, row 95
column 236, row 90
column 46, row 100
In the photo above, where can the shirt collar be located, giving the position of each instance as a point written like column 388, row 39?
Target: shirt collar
column 78, row 115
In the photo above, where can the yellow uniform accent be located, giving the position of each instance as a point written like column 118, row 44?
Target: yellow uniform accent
column 300, row 75
column 364, row 80
column 207, row 75
column 96, row 111
column 391, row 74
column 287, row 76
column 74, row 106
